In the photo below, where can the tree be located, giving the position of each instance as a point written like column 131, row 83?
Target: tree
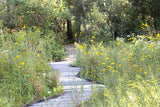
column 145, row 9
column 155, row 12
column 69, row 24
column 77, row 12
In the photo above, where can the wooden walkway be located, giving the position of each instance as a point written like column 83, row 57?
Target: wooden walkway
column 76, row 89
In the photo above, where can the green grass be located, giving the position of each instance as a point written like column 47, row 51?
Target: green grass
column 130, row 72
column 23, row 63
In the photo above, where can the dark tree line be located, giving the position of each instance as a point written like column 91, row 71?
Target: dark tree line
column 104, row 18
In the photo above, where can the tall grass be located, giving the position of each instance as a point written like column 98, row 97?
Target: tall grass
column 129, row 70
column 25, row 75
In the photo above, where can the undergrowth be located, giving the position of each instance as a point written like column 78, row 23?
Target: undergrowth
column 129, row 70
column 25, row 75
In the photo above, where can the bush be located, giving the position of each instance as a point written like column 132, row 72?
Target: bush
column 130, row 71
column 53, row 49
column 24, row 71
column 45, row 15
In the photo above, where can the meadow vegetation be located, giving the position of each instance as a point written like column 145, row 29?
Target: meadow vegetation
column 129, row 69
column 25, row 75
column 30, row 37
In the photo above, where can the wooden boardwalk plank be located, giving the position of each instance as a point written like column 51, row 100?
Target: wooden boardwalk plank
column 75, row 88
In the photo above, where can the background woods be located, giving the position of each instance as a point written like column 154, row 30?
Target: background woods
column 105, row 18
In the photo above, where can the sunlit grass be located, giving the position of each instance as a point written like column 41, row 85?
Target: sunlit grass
column 25, row 75
column 129, row 70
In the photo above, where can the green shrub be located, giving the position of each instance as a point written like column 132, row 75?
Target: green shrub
column 24, row 71
column 130, row 71
column 53, row 49
column 45, row 15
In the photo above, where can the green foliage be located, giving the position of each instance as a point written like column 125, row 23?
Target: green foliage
column 145, row 9
column 24, row 71
column 108, row 19
column 130, row 71
column 53, row 49
column 105, row 19
column 45, row 15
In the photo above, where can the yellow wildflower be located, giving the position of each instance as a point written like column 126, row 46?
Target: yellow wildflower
column 146, row 25
column 75, row 34
column 101, row 53
column 134, row 65
column 103, row 63
column 120, row 65
column 112, row 63
column 110, row 67
column 17, row 43
column 80, row 47
column 97, row 53
column 149, row 37
column 24, row 26
column 131, row 54
column 143, row 35
column 91, row 40
column 149, row 56
column 82, row 101
column 142, row 27
column 93, row 37
column 22, row 63
column 106, row 94
column 140, row 69
column 107, row 58
column 118, row 43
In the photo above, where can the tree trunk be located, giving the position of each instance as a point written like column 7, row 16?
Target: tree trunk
column 63, row 26
column 105, row 15
column 78, row 16
column 69, row 30
column 69, row 25
column 8, row 12
column 84, row 17
column 116, row 29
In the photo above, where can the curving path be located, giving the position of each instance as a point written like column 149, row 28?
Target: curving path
column 76, row 89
